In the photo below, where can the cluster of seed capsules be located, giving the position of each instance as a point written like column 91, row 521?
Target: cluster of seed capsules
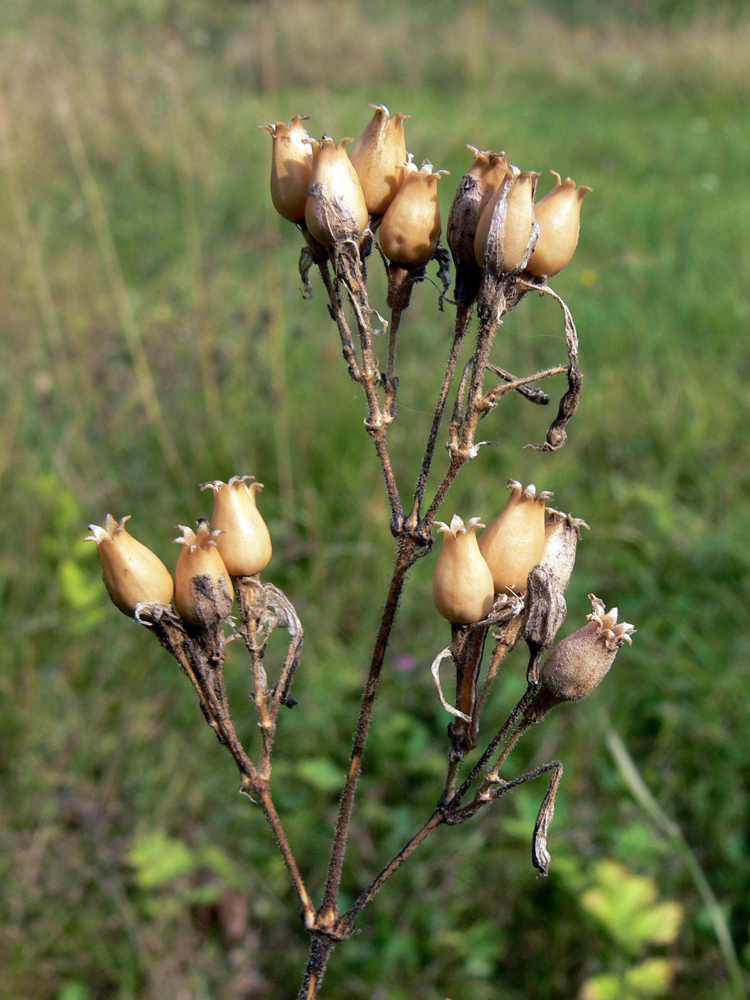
column 236, row 543
column 472, row 572
column 378, row 180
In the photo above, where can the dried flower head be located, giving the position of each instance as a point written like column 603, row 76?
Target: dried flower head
column 561, row 535
column 335, row 208
column 480, row 183
column 506, row 224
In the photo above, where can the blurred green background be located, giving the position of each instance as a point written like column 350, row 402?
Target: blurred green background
column 154, row 337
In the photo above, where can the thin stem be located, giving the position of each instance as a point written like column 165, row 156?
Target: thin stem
column 347, row 920
column 266, row 803
column 339, row 317
column 497, row 740
column 391, row 382
column 505, row 643
column 463, row 316
column 407, row 554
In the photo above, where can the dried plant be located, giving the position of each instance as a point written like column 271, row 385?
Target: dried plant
column 506, row 585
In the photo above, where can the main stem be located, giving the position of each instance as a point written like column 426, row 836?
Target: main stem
column 407, row 554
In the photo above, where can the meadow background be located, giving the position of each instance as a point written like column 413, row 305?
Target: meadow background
column 153, row 337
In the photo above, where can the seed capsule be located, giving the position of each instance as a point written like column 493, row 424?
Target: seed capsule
column 335, row 208
column 514, row 542
column 462, row 583
column 410, row 228
column 243, row 540
column 559, row 216
column 479, row 185
column 506, row 224
column 379, row 156
column 203, row 590
column 561, row 535
column 292, row 161
column 577, row 664
column 133, row 574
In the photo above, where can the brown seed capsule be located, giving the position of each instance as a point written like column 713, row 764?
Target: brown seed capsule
column 578, row 663
column 561, row 535
column 203, row 590
column 479, row 185
column 410, row 228
column 335, row 208
column 506, row 224
column 292, row 161
column 379, row 156
column 513, row 544
column 133, row 574
column 559, row 216
column 243, row 540
column 462, row 582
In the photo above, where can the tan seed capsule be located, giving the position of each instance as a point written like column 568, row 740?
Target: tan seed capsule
column 559, row 216
column 577, row 664
column 410, row 228
column 513, row 544
column 335, row 208
column 379, row 156
column 462, row 582
column 506, row 224
column 480, row 183
column 244, row 542
column 292, row 161
column 561, row 535
column 133, row 574
column 203, row 590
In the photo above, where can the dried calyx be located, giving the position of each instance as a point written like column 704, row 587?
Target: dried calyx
column 559, row 216
column 561, row 536
column 506, row 225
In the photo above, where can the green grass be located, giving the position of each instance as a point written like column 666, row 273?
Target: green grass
column 139, row 249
